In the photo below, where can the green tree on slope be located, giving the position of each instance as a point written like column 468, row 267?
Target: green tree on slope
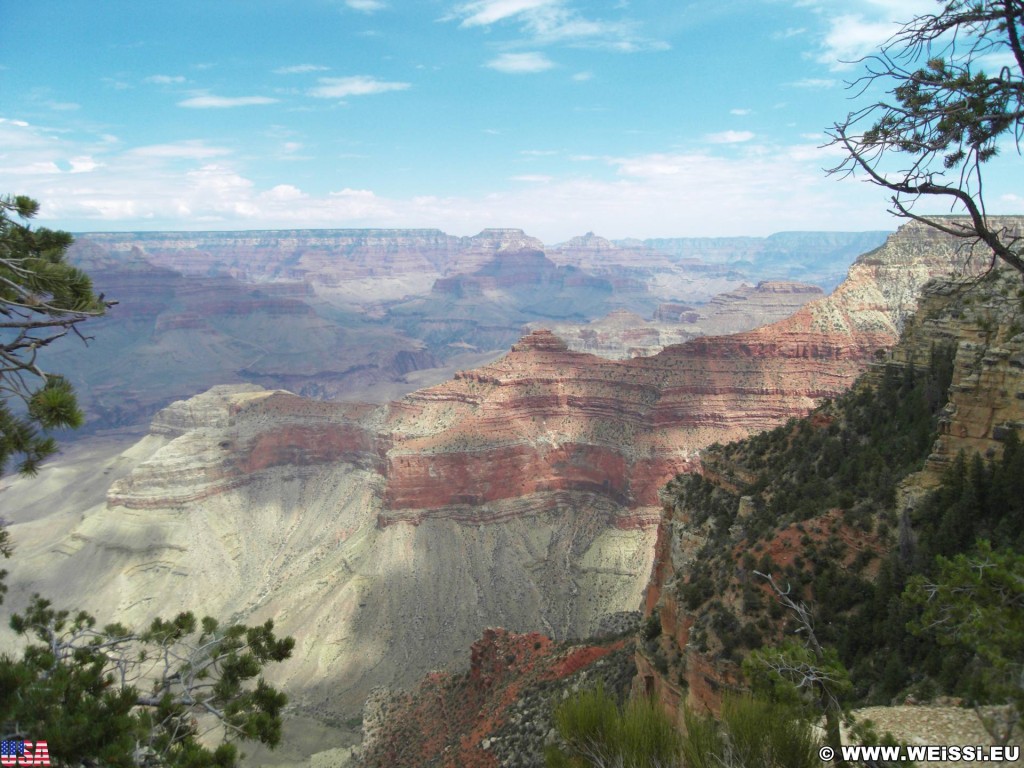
column 42, row 298
column 977, row 599
column 110, row 695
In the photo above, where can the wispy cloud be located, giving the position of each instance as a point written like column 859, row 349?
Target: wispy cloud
column 789, row 32
column 729, row 137
column 740, row 112
column 198, row 184
column 358, row 85
column 225, row 102
column 857, row 28
column 366, row 6
column 547, row 22
column 300, row 69
column 582, row 77
column 484, row 12
column 521, row 63
column 813, row 82
column 182, row 150
column 164, row 79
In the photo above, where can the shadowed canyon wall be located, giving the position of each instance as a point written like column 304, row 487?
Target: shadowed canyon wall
column 523, row 493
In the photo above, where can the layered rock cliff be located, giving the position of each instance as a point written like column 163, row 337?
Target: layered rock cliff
column 521, row 494
column 499, row 713
column 367, row 314
column 709, row 607
column 623, row 334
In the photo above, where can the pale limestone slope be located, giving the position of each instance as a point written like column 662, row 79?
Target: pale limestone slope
column 183, row 530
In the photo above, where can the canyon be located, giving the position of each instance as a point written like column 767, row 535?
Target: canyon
column 375, row 314
column 385, row 538
column 684, row 650
column 975, row 318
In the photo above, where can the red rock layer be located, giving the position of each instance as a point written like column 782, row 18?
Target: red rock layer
column 544, row 423
column 450, row 720
column 545, row 419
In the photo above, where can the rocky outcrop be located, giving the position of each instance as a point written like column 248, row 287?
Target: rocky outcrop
column 814, row 257
column 518, row 271
column 172, row 335
column 523, row 493
column 623, row 334
column 980, row 318
column 548, row 420
column 220, row 441
column 985, row 324
column 333, row 313
column 499, row 713
column 381, row 263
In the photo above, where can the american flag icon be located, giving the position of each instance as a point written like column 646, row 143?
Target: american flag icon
column 12, row 748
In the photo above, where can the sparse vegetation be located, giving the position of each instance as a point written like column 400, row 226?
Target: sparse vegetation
column 752, row 733
column 598, row 733
column 111, row 696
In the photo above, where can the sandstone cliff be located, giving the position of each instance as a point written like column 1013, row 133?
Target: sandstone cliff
column 623, row 334
column 702, row 594
column 499, row 713
column 522, row 494
column 357, row 314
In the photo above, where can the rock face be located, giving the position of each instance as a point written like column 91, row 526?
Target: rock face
column 172, row 335
column 383, row 263
column 624, row 334
column 981, row 319
column 355, row 314
column 816, row 257
column 545, row 419
column 521, row 494
column 499, row 713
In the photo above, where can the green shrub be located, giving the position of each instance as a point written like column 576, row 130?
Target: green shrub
column 753, row 733
column 598, row 733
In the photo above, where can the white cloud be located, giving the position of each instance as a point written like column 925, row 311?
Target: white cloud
column 164, row 79
column 740, row 112
column 851, row 38
column 729, row 137
column 789, row 32
column 358, row 85
column 521, row 63
column 83, row 164
column 225, row 102
column 813, row 82
column 366, row 6
column 484, row 12
column 285, row 193
column 582, row 77
column 547, row 22
column 858, row 28
column 300, row 69
column 182, row 150
column 198, row 185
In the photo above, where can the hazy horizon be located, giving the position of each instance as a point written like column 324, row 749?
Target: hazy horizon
column 626, row 118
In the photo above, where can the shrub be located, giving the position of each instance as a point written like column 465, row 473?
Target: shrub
column 598, row 733
column 753, row 733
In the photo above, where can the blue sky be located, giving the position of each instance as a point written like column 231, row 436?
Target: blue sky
column 638, row 118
